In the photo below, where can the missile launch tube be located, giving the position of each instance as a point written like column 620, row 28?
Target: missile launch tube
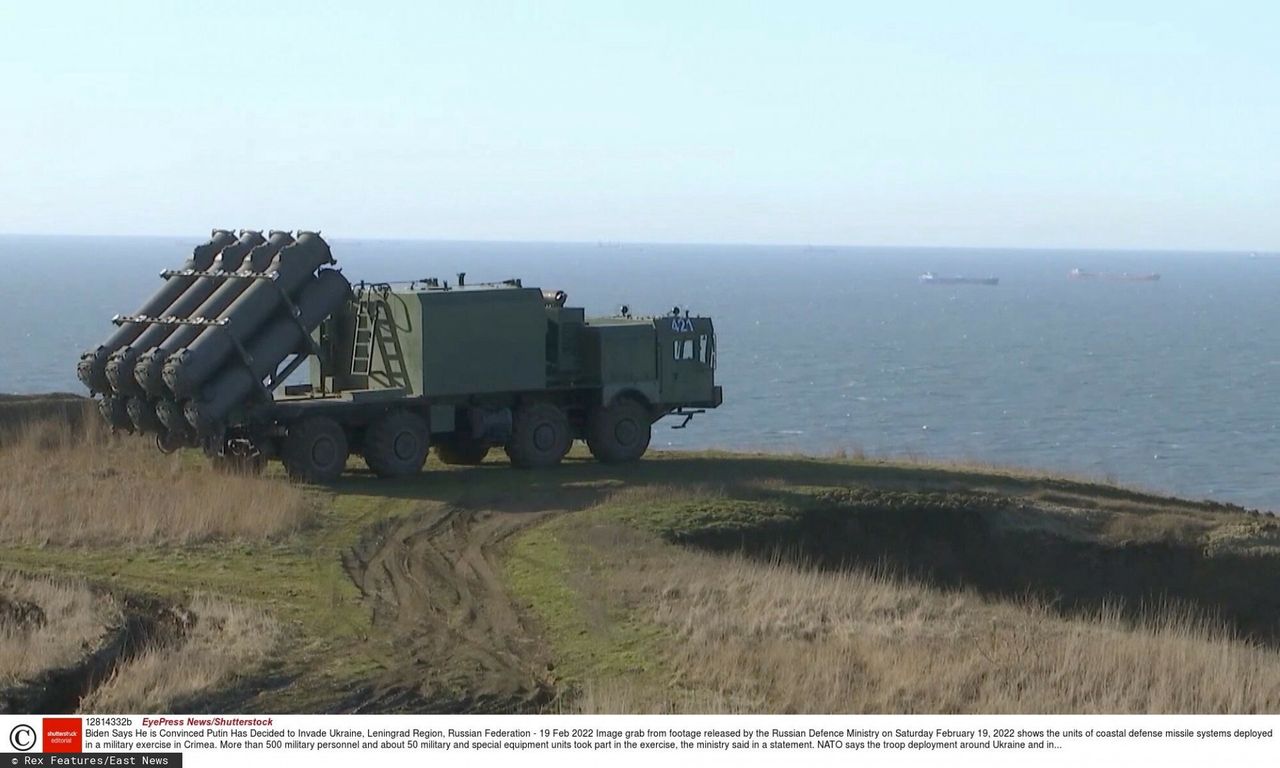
column 142, row 412
column 150, row 366
column 170, row 413
column 113, row 410
column 278, row 339
column 121, row 363
column 188, row 369
column 92, row 368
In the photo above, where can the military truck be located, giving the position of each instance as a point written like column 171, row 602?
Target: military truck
column 395, row 368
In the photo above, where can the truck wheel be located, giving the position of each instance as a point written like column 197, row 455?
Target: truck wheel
column 168, row 442
column 463, row 450
column 396, row 444
column 620, row 432
column 540, row 436
column 315, row 450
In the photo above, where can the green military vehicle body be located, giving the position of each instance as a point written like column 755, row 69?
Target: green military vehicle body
column 396, row 369
column 465, row 368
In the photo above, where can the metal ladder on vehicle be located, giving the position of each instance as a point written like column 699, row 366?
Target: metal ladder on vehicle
column 387, row 340
column 367, row 312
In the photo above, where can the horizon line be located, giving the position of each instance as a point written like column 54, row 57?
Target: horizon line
column 610, row 243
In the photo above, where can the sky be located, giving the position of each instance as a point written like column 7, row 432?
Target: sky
column 999, row 124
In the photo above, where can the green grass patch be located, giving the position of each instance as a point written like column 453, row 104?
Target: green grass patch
column 684, row 519
column 332, row 645
column 691, row 517
column 555, row 576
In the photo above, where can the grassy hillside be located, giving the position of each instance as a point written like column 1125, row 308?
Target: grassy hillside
column 19, row 410
column 687, row 582
column 669, row 600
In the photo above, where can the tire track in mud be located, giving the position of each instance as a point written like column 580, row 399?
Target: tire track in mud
column 432, row 582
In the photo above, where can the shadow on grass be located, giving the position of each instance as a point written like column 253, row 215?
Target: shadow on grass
column 740, row 475
column 955, row 545
column 929, row 523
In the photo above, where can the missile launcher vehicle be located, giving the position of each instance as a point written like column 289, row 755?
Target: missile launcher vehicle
column 396, row 369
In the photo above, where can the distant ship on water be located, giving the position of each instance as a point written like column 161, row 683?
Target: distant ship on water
column 1080, row 274
column 928, row 278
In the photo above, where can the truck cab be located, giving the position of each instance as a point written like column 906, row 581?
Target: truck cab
column 667, row 362
column 686, row 349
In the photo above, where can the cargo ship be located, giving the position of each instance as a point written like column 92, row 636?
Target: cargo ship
column 931, row 279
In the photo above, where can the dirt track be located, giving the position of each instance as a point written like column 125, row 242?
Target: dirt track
column 461, row 645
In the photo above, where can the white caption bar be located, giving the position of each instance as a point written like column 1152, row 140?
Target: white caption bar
column 533, row 740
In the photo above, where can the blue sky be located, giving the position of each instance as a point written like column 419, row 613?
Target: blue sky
column 1023, row 124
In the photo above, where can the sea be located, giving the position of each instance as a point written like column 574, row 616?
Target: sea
column 1169, row 385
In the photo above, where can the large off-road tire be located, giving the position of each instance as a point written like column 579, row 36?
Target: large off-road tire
column 540, row 436
column 168, row 442
column 396, row 444
column 315, row 450
column 619, row 432
column 461, row 449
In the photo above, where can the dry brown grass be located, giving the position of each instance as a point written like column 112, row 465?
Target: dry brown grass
column 614, row 696
column 225, row 641
column 71, row 486
column 748, row 636
column 1165, row 526
column 47, row 623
